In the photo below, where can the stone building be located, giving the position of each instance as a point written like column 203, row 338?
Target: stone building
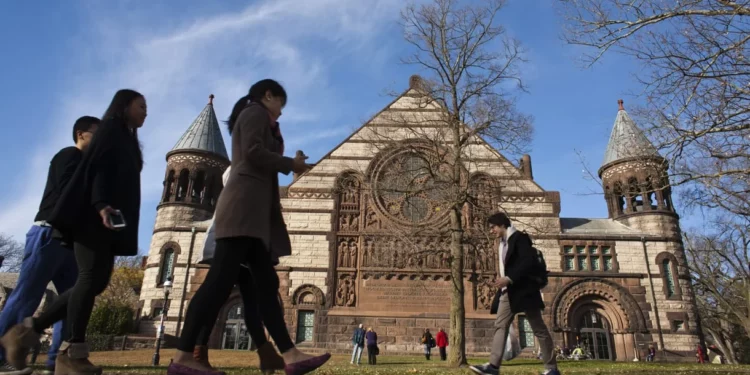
column 362, row 254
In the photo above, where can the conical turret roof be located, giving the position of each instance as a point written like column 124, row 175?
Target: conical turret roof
column 203, row 134
column 627, row 140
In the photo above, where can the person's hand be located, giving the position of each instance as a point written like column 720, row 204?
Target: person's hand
column 500, row 282
column 300, row 166
column 104, row 213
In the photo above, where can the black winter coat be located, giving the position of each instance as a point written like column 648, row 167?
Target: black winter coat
column 524, row 293
column 109, row 175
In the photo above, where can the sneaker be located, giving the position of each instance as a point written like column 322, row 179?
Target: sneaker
column 49, row 370
column 7, row 369
column 551, row 372
column 485, row 369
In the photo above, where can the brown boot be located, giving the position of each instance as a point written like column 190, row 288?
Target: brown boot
column 270, row 359
column 200, row 354
column 17, row 342
column 73, row 359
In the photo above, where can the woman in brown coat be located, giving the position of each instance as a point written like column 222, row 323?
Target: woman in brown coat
column 248, row 223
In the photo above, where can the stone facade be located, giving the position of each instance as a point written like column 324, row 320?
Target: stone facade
column 359, row 256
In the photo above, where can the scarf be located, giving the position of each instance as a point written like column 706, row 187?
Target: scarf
column 275, row 127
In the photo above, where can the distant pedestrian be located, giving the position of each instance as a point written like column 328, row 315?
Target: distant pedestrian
column 651, row 354
column 358, row 342
column 428, row 343
column 372, row 346
column 442, row 343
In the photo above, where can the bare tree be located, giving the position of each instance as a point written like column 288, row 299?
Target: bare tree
column 694, row 75
column 719, row 264
column 430, row 187
column 11, row 252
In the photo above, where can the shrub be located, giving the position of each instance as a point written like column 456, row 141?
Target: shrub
column 111, row 320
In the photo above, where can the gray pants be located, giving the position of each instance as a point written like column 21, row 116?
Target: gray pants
column 502, row 325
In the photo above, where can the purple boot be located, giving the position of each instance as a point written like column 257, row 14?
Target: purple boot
column 306, row 366
column 178, row 369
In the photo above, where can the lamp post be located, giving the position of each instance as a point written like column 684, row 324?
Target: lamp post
column 160, row 331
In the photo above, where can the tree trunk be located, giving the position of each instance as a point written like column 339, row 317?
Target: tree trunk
column 457, row 343
column 724, row 345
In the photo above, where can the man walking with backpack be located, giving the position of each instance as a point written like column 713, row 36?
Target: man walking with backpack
column 522, row 274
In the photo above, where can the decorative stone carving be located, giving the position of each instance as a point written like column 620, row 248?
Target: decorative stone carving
column 308, row 294
column 346, row 294
column 371, row 218
column 485, row 294
column 349, row 222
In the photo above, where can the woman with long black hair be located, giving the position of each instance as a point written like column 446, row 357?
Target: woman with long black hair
column 248, row 226
column 105, row 188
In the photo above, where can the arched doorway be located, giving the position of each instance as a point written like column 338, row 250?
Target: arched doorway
column 235, row 335
column 620, row 326
column 594, row 335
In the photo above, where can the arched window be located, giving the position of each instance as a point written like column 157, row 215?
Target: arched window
column 668, row 278
column 168, row 183
column 199, row 184
column 182, row 185
column 618, row 192
column 635, row 199
column 669, row 274
column 167, row 265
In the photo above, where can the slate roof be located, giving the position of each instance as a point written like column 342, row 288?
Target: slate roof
column 204, row 134
column 627, row 140
column 593, row 226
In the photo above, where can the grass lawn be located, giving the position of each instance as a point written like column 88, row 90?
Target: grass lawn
column 138, row 362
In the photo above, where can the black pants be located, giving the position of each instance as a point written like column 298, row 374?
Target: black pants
column 75, row 305
column 371, row 357
column 443, row 354
column 253, row 320
column 204, row 308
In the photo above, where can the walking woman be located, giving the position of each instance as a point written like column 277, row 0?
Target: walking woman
column 248, row 225
column 99, row 209
column 371, row 337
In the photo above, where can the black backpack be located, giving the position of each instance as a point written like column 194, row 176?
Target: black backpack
column 539, row 273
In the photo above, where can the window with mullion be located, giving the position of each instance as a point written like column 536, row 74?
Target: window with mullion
column 585, row 258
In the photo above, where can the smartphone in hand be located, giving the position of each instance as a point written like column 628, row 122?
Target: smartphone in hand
column 117, row 220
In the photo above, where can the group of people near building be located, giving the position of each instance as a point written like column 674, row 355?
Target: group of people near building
column 89, row 214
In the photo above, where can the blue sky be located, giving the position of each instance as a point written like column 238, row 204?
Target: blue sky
column 337, row 59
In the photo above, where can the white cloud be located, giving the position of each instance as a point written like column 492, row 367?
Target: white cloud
column 300, row 43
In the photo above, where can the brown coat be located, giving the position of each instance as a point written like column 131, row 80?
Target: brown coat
column 250, row 205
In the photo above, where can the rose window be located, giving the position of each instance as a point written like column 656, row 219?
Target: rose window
column 411, row 188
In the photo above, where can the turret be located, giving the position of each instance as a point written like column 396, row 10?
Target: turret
column 635, row 180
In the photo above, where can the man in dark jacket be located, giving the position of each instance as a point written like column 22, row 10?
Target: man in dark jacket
column 358, row 339
column 517, row 293
column 47, row 256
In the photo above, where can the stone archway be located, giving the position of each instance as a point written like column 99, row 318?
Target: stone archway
column 609, row 300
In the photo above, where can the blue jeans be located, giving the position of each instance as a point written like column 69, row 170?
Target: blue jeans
column 357, row 354
column 44, row 260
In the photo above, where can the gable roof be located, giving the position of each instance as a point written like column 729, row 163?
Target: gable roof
column 203, row 134
column 408, row 103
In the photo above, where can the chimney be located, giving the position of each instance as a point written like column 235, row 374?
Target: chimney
column 526, row 166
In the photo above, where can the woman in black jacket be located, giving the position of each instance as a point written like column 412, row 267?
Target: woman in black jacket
column 106, row 181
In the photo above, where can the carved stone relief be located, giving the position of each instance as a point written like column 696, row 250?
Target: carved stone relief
column 346, row 293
